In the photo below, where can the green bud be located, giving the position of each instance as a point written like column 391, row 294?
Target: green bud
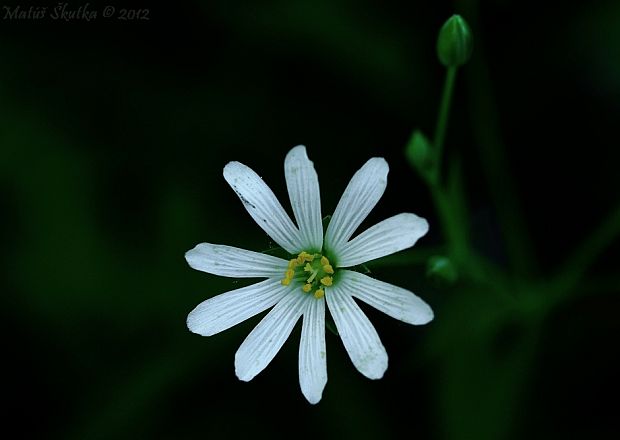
column 418, row 153
column 455, row 43
column 441, row 268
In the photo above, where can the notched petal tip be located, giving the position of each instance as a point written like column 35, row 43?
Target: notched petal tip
column 298, row 148
column 377, row 168
column 380, row 163
column 297, row 153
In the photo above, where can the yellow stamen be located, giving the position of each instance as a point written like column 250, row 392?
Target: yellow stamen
column 319, row 275
column 304, row 256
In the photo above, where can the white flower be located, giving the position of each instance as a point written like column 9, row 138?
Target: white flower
column 316, row 273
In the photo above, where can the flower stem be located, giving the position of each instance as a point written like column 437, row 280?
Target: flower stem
column 452, row 214
column 442, row 119
column 578, row 263
column 447, row 193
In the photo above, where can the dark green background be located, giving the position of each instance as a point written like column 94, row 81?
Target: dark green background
column 113, row 136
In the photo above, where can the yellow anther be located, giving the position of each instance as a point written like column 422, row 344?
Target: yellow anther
column 290, row 273
column 292, row 264
column 304, row 256
column 324, row 261
column 326, row 281
column 327, row 268
column 307, row 288
column 286, row 281
column 319, row 293
column 308, row 268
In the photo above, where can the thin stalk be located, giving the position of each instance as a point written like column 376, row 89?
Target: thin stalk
column 442, row 119
column 578, row 263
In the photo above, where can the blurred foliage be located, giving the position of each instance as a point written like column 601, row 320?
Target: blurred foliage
column 113, row 136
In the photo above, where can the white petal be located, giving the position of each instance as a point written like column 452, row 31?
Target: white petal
column 264, row 342
column 387, row 237
column 358, row 335
column 263, row 206
column 393, row 301
column 361, row 195
column 303, row 190
column 312, row 353
column 230, row 261
column 223, row 311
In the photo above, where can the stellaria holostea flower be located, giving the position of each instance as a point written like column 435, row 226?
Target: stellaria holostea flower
column 315, row 274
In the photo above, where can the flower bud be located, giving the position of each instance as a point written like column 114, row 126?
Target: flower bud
column 442, row 269
column 455, row 43
column 419, row 153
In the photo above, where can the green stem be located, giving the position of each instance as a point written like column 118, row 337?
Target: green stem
column 453, row 223
column 442, row 119
column 447, row 193
column 450, row 202
column 586, row 253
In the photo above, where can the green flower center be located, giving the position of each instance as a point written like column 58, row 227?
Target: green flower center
column 314, row 268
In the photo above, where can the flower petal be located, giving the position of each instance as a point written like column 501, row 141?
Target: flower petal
column 228, row 309
column 358, row 334
column 394, row 301
column 312, row 352
column 263, row 206
column 230, row 261
column 361, row 195
column 264, row 342
column 303, row 190
column 387, row 237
